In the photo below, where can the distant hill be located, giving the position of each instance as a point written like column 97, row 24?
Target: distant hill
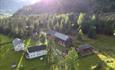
column 66, row 6
column 12, row 5
column 4, row 14
column 58, row 6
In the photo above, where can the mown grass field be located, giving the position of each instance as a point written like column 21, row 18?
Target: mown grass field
column 105, row 46
column 8, row 57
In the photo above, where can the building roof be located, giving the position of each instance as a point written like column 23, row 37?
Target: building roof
column 82, row 47
column 61, row 36
column 36, row 48
column 58, row 35
column 51, row 32
column 17, row 41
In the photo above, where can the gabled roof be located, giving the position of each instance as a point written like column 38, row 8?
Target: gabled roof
column 61, row 36
column 17, row 41
column 51, row 32
column 58, row 35
column 36, row 48
column 82, row 47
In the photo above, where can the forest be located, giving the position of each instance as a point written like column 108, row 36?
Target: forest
column 24, row 26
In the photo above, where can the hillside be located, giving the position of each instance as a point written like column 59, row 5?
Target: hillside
column 58, row 35
column 67, row 6
column 58, row 6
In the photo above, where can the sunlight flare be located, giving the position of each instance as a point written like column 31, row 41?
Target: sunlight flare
column 31, row 1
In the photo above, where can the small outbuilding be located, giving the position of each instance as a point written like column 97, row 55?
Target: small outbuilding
column 18, row 44
column 36, row 51
column 84, row 50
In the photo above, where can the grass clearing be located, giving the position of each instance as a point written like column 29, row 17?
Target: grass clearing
column 10, row 57
column 105, row 45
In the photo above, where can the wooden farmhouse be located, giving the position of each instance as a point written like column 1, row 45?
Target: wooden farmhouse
column 36, row 51
column 84, row 50
column 60, row 38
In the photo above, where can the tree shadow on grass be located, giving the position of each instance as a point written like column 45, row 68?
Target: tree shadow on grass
column 92, row 62
column 5, row 43
column 109, row 59
column 108, row 52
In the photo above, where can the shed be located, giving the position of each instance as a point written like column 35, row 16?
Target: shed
column 84, row 50
column 18, row 44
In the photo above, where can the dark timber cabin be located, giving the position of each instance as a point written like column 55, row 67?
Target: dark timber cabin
column 84, row 50
column 61, row 39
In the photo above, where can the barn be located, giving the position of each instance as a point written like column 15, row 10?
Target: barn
column 84, row 50
column 36, row 51
column 60, row 38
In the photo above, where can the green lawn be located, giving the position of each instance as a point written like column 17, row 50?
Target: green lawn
column 8, row 56
column 105, row 45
